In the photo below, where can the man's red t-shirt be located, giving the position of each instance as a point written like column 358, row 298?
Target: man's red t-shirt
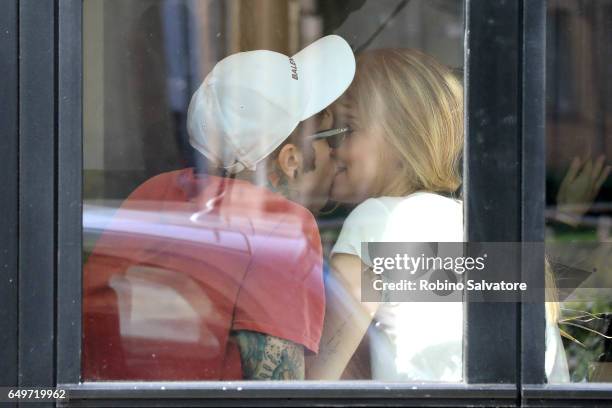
column 185, row 261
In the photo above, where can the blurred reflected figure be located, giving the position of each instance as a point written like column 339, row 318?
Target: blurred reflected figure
column 579, row 187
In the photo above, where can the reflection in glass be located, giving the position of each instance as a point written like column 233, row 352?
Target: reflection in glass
column 195, row 273
column 579, row 193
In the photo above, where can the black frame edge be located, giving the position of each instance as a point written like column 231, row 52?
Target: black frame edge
column 70, row 152
column 533, row 320
column 491, row 177
column 567, row 395
column 37, row 189
column 9, row 179
column 244, row 393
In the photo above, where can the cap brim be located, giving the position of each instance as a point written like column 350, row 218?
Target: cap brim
column 328, row 66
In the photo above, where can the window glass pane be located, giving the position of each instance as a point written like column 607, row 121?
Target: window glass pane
column 227, row 189
column 578, row 184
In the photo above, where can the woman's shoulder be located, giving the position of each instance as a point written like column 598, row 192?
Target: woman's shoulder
column 419, row 217
column 416, row 204
column 423, row 199
column 420, row 205
column 424, row 217
column 365, row 223
column 371, row 215
column 372, row 208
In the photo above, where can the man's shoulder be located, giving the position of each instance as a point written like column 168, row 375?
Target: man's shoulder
column 180, row 178
column 241, row 202
column 273, row 218
column 160, row 185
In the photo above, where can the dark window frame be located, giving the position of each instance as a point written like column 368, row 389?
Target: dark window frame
column 9, row 201
column 504, row 183
column 37, row 137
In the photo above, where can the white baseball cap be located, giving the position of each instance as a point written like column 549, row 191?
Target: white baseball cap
column 251, row 101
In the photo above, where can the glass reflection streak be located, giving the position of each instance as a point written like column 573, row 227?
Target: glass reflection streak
column 150, row 312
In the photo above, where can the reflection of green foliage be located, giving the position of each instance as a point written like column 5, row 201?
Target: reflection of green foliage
column 565, row 233
column 579, row 357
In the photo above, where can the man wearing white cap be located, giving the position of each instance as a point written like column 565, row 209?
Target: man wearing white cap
column 247, row 241
column 252, row 101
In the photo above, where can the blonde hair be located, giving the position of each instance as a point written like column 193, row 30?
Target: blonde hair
column 418, row 106
column 553, row 309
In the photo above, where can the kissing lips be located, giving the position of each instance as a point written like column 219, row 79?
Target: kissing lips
column 340, row 169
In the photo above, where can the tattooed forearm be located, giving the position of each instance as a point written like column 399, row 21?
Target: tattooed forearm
column 269, row 358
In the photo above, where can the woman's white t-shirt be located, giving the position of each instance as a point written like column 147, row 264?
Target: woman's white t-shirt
column 418, row 341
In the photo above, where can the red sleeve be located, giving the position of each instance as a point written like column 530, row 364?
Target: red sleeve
column 283, row 293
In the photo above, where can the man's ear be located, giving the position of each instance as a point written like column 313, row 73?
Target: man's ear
column 290, row 161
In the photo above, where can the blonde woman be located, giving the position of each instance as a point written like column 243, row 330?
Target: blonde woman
column 401, row 165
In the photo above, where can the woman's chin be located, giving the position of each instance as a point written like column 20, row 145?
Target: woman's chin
column 341, row 194
column 342, row 191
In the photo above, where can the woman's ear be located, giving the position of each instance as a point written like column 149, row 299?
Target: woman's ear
column 290, row 161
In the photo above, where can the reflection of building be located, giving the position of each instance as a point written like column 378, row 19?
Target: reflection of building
column 128, row 127
column 579, row 85
column 579, row 98
column 579, row 124
column 144, row 58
